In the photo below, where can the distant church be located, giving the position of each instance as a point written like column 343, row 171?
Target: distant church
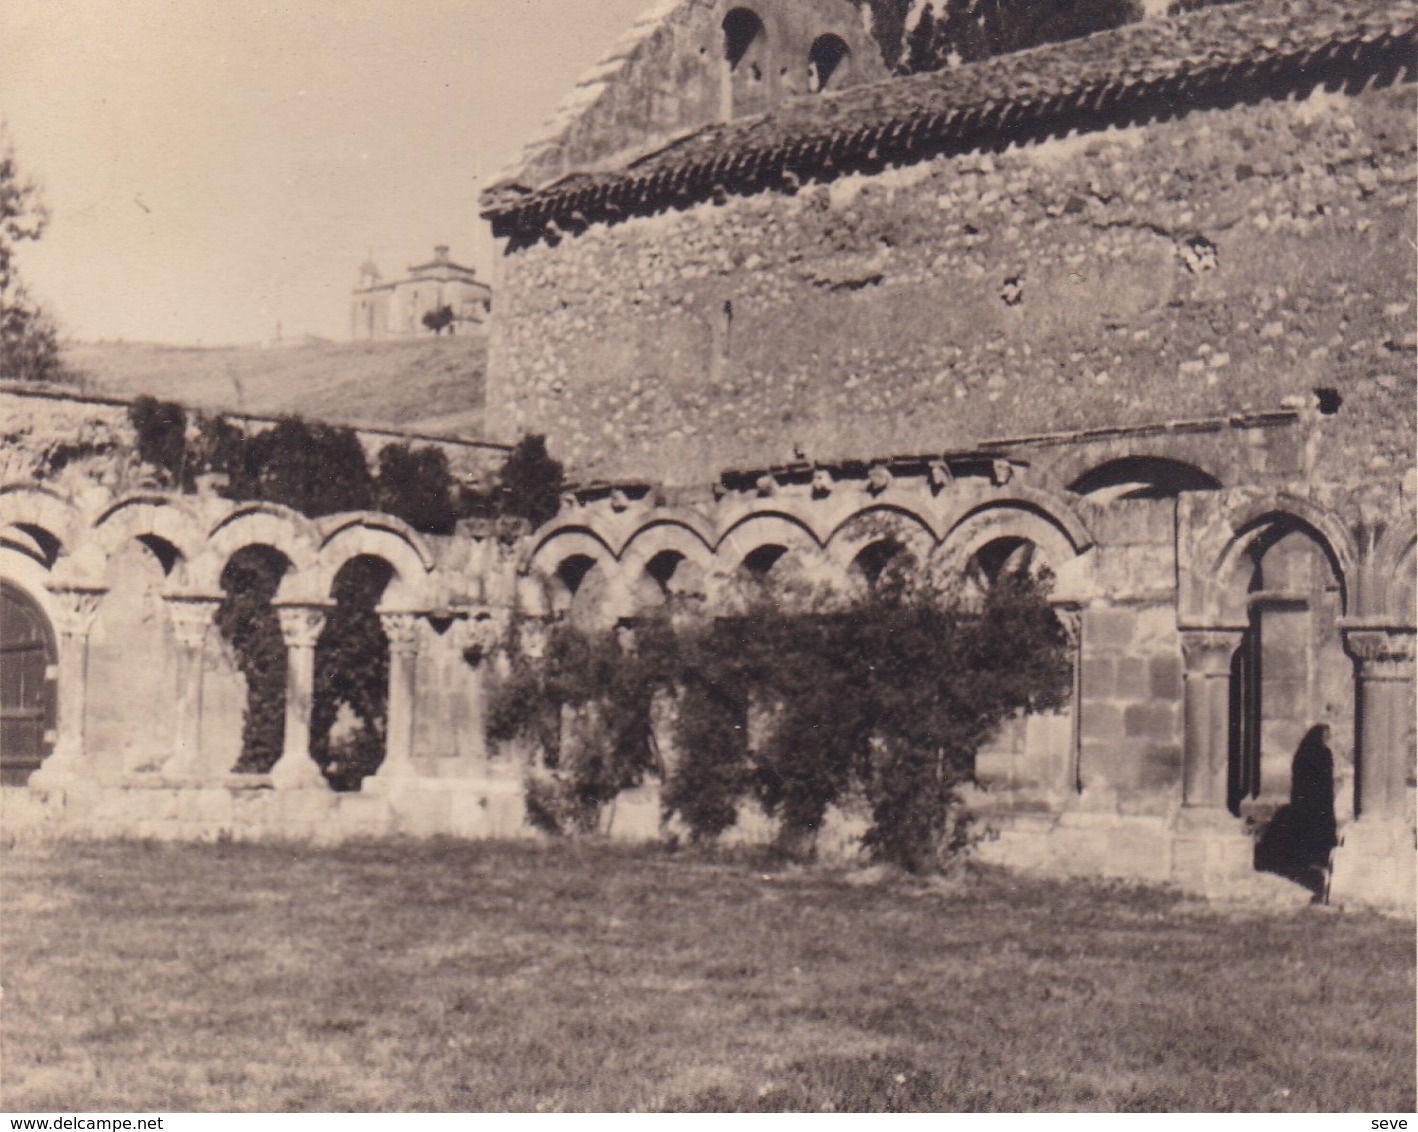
column 396, row 309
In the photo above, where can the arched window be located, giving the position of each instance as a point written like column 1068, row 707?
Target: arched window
column 825, row 61
column 27, row 661
column 743, row 89
column 741, row 28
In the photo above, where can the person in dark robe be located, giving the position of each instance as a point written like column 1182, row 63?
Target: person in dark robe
column 1300, row 837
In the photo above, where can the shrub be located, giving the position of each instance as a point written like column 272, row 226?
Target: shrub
column 797, row 706
column 584, row 704
column 530, row 482
column 416, row 485
column 249, row 624
column 162, row 437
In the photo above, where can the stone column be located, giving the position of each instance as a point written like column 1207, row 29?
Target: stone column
column 75, row 610
column 192, row 618
column 479, row 636
column 1384, row 660
column 1070, row 616
column 1206, row 655
column 300, row 627
column 402, row 631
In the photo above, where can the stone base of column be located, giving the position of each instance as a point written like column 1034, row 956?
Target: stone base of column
column 297, row 772
column 1211, row 852
column 58, row 771
column 389, row 783
column 1376, row 866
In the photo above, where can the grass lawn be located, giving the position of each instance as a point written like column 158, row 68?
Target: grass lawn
column 450, row 976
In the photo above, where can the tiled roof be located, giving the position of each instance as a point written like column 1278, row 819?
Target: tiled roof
column 1248, row 51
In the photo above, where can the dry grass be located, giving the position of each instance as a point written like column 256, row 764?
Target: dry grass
column 422, row 382
column 451, row 976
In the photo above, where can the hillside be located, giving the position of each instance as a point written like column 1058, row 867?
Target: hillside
column 432, row 385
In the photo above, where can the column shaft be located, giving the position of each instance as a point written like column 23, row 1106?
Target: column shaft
column 1385, row 672
column 1206, row 734
column 300, row 626
column 192, row 618
column 402, row 631
column 75, row 613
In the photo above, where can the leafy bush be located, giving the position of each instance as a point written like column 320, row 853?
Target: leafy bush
column 249, row 624
column 886, row 697
column 584, row 701
column 416, row 485
column 352, row 672
column 162, row 437
column 529, row 483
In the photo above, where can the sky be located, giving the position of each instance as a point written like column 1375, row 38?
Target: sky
column 216, row 169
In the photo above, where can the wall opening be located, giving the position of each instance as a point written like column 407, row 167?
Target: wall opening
column 828, row 63
column 1290, row 679
column 28, row 660
column 249, row 625
column 744, row 80
column 350, row 712
column 1142, row 477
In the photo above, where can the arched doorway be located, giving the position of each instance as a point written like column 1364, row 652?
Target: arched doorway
column 27, row 688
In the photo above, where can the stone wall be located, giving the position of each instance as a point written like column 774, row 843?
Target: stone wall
column 1220, row 261
column 71, row 440
column 668, row 76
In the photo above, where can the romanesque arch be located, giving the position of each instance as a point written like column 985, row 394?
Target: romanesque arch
column 166, row 525
column 1034, row 755
column 282, row 529
column 862, row 545
column 579, row 576
column 664, row 559
column 37, row 522
column 374, row 535
column 29, row 657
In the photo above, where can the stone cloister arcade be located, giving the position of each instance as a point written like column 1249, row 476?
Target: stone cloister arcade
column 1213, row 625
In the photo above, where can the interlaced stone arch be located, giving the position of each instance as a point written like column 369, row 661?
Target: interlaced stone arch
column 37, row 522
column 272, row 525
column 665, row 554
column 371, row 534
column 167, row 526
column 563, row 562
column 1059, row 538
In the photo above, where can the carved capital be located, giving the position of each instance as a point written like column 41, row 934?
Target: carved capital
column 75, row 610
column 532, row 636
column 1208, row 652
column 402, row 631
column 1383, row 654
column 301, row 625
column 941, row 477
column 1071, row 618
column 483, row 630
column 191, row 618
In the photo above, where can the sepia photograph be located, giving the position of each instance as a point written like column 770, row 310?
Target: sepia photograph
column 707, row 556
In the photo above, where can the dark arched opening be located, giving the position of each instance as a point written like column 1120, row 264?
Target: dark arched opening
column 827, row 60
column 759, row 563
column 1142, row 477
column 27, row 689
column 249, row 625
column 350, row 711
column 742, row 28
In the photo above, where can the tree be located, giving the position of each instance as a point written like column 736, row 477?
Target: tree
column 438, row 320
column 29, row 344
column 530, row 482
